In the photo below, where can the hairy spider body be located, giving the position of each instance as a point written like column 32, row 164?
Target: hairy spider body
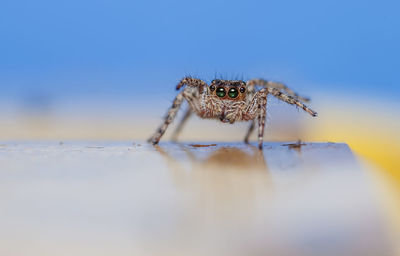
column 228, row 101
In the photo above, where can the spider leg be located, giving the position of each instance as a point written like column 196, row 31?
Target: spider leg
column 192, row 82
column 184, row 119
column 270, row 84
column 168, row 119
column 249, row 131
column 261, row 125
column 257, row 108
column 189, row 93
column 291, row 100
column 262, row 110
column 258, row 105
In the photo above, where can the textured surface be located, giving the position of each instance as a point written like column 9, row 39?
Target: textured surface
column 103, row 198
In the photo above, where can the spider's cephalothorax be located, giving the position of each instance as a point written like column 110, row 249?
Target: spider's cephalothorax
column 229, row 101
column 228, row 89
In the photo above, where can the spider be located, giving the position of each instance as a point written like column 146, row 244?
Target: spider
column 229, row 101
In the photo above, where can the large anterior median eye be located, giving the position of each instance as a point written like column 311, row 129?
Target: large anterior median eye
column 220, row 92
column 233, row 93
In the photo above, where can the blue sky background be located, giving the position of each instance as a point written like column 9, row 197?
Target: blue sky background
column 133, row 49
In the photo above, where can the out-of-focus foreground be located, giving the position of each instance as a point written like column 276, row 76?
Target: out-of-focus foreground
column 189, row 199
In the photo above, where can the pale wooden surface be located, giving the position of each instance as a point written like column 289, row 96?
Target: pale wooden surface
column 108, row 198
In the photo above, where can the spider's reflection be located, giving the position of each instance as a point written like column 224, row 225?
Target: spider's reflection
column 223, row 176
column 213, row 156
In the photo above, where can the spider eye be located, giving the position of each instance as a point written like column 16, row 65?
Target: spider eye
column 212, row 88
column 242, row 89
column 220, row 92
column 233, row 93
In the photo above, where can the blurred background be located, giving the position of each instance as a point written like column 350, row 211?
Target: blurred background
column 107, row 69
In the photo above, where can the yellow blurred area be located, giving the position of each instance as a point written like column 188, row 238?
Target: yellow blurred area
column 372, row 134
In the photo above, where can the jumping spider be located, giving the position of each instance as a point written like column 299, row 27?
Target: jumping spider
column 229, row 101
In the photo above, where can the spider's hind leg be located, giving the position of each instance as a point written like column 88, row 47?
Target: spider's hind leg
column 168, row 119
column 183, row 121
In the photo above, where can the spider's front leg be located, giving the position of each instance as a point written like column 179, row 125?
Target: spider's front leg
column 168, row 119
column 192, row 82
column 178, row 129
column 257, row 109
column 190, row 94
